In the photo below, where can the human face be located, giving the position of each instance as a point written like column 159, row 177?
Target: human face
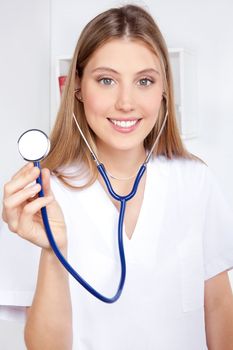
column 121, row 90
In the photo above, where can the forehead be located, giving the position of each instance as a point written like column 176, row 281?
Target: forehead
column 124, row 53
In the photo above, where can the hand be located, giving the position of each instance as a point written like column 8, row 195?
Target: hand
column 21, row 208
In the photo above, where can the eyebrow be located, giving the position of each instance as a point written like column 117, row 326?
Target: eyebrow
column 144, row 71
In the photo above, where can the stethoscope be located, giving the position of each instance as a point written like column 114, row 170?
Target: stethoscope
column 34, row 145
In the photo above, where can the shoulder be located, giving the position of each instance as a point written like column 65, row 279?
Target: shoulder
column 184, row 178
column 182, row 169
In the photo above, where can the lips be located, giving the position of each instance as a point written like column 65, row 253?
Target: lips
column 124, row 125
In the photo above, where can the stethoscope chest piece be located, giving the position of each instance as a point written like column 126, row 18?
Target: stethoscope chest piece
column 33, row 145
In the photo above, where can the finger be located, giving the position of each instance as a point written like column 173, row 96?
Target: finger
column 46, row 182
column 11, row 205
column 24, row 169
column 32, row 208
column 18, row 198
column 26, row 219
column 20, row 182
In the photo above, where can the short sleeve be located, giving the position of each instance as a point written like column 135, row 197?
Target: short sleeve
column 218, row 229
column 19, row 262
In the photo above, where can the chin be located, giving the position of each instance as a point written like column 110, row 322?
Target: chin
column 125, row 147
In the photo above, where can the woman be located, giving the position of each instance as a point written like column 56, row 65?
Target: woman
column 177, row 232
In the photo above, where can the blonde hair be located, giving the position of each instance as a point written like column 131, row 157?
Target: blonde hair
column 67, row 146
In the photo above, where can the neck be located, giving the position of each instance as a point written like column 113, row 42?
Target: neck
column 121, row 163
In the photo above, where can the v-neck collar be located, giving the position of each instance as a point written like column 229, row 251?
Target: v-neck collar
column 104, row 214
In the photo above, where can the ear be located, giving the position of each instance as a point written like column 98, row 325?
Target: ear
column 77, row 90
column 77, row 82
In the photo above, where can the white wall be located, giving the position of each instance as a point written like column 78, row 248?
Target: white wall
column 25, row 75
column 207, row 28
column 24, row 96
column 203, row 26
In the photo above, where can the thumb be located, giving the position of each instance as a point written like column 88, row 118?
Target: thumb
column 45, row 173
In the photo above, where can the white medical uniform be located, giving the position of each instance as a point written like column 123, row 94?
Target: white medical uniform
column 183, row 236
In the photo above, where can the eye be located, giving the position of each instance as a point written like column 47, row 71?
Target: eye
column 145, row 82
column 106, row 81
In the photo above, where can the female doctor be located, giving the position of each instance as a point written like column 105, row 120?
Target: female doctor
column 177, row 229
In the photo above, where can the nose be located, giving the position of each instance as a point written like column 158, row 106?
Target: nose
column 125, row 100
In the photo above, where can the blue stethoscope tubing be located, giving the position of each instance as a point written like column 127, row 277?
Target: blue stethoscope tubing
column 122, row 200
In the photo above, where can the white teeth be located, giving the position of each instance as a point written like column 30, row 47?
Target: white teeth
column 124, row 124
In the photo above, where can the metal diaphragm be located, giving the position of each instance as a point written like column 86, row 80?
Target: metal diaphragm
column 33, row 145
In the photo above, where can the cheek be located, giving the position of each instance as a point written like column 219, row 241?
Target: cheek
column 151, row 105
column 94, row 103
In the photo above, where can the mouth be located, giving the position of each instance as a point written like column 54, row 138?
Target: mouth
column 125, row 125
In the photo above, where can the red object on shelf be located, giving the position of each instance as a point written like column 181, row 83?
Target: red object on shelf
column 62, row 80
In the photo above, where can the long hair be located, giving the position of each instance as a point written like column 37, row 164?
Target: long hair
column 67, row 146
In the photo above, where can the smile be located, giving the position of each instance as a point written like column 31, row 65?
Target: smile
column 125, row 126
column 124, row 123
